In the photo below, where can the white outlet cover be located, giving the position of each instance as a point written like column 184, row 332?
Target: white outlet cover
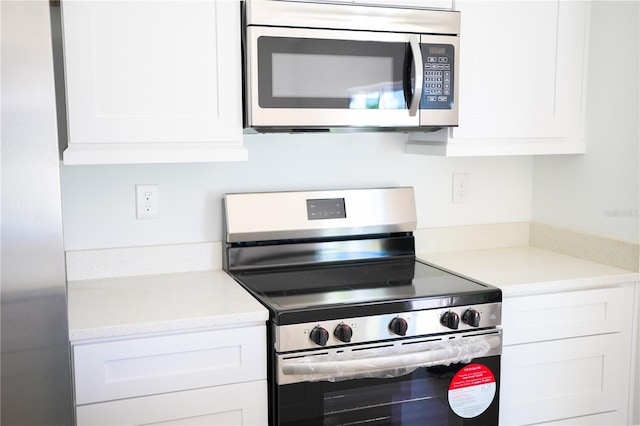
column 460, row 188
column 147, row 202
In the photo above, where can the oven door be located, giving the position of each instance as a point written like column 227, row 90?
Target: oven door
column 445, row 382
column 313, row 78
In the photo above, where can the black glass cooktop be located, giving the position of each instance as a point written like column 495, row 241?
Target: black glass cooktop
column 356, row 289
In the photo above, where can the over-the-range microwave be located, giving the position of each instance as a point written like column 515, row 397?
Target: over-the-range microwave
column 318, row 65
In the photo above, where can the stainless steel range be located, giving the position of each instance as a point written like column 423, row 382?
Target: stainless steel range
column 360, row 331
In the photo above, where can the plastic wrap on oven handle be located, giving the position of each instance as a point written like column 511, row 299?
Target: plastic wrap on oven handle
column 388, row 362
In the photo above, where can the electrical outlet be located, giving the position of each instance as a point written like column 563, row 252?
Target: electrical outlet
column 147, row 202
column 460, row 192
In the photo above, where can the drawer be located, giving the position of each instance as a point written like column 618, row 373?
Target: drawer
column 609, row 418
column 561, row 379
column 229, row 405
column 111, row 370
column 566, row 314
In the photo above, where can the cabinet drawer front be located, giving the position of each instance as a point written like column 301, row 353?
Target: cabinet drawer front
column 610, row 418
column 561, row 379
column 237, row 404
column 105, row 371
column 561, row 315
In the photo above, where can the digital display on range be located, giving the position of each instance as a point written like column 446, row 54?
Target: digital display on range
column 326, row 208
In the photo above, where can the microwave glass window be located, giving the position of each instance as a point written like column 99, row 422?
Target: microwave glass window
column 325, row 73
column 361, row 79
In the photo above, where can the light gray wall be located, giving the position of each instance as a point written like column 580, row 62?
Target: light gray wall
column 599, row 192
column 99, row 208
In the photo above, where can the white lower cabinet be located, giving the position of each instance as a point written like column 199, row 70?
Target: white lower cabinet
column 567, row 358
column 562, row 379
column 213, row 377
column 603, row 419
column 235, row 404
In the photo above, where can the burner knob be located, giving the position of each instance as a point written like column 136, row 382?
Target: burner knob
column 398, row 326
column 319, row 335
column 343, row 332
column 471, row 317
column 450, row 320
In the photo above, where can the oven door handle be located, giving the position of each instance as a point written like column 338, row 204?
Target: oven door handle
column 387, row 362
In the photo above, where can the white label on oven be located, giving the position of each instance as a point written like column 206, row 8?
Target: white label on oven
column 472, row 390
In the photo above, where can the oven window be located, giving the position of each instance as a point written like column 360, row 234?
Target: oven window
column 419, row 398
column 325, row 73
column 413, row 401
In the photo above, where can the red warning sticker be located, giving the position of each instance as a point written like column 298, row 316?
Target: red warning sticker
column 472, row 390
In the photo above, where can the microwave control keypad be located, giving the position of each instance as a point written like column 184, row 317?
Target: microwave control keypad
column 438, row 77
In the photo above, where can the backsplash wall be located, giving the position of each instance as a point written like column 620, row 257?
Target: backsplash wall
column 99, row 201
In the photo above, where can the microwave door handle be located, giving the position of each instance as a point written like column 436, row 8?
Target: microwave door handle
column 414, row 43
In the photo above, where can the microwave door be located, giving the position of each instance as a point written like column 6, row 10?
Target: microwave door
column 306, row 78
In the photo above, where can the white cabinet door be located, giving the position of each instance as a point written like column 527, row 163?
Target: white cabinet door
column 561, row 379
column 522, row 79
column 150, row 82
column 610, row 418
column 229, row 405
column 209, row 377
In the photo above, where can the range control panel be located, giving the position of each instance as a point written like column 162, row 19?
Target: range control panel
column 314, row 335
column 329, row 208
column 438, row 63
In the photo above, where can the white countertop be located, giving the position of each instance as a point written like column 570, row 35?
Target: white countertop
column 529, row 270
column 114, row 307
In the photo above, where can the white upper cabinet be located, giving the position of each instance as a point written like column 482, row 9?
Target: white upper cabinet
column 152, row 81
column 522, row 80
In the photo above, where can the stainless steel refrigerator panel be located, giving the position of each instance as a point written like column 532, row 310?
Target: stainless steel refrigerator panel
column 36, row 374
